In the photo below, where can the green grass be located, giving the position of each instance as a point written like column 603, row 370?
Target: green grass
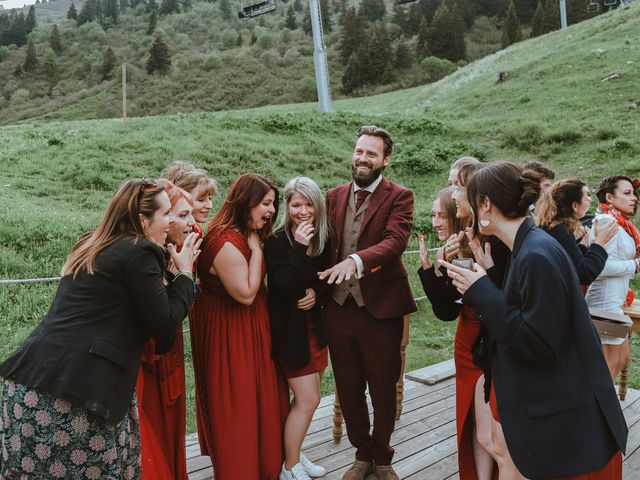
column 56, row 177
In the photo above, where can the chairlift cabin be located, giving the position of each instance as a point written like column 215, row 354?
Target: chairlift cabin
column 406, row 2
column 250, row 10
column 593, row 7
column 610, row 3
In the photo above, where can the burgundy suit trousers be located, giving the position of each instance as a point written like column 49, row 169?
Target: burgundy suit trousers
column 365, row 351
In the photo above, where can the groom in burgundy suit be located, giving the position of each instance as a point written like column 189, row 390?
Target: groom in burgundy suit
column 371, row 220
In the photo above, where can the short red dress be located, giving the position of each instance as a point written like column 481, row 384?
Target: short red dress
column 241, row 401
column 319, row 356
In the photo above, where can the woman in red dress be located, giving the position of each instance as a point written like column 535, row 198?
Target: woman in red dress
column 294, row 254
column 161, row 380
column 240, row 400
column 450, row 214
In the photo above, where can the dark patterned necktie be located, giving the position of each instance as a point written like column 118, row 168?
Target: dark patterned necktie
column 361, row 196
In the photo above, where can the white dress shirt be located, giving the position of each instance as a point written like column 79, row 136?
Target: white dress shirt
column 609, row 291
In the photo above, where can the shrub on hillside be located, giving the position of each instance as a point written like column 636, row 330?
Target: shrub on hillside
column 4, row 53
column 19, row 96
column 437, row 68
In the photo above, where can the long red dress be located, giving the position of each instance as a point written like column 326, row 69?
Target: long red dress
column 241, row 402
column 162, row 408
column 467, row 375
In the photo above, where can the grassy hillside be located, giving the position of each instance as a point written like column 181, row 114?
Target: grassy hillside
column 56, row 177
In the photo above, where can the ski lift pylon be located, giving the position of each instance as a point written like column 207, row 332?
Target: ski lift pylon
column 250, row 10
column 593, row 7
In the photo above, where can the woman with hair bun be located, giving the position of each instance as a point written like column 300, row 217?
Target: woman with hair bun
column 559, row 212
column 618, row 203
column 556, row 411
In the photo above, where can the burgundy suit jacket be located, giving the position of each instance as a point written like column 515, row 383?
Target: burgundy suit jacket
column 384, row 234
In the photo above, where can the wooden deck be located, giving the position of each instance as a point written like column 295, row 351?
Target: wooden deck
column 424, row 438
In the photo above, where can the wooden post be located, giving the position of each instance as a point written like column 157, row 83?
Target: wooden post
column 124, row 94
column 337, row 419
column 400, row 384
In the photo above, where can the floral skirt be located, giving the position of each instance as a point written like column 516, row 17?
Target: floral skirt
column 42, row 436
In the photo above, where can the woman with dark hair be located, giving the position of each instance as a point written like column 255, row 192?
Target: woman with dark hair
column 239, row 396
column 68, row 399
column 559, row 212
column 556, row 411
column 161, row 381
column 473, row 417
column 618, row 203
column 294, row 254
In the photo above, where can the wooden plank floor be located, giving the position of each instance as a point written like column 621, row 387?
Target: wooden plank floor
column 424, row 438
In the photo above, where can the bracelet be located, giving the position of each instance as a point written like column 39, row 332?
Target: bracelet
column 184, row 273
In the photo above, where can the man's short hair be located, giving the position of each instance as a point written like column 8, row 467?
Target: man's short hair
column 541, row 169
column 375, row 131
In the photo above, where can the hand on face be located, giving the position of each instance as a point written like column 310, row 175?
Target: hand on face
column 463, row 278
column 304, row 233
column 184, row 260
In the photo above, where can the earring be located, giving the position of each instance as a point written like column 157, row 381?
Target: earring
column 485, row 223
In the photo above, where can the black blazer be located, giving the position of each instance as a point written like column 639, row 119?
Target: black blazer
column 290, row 272
column 589, row 262
column 87, row 348
column 557, row 404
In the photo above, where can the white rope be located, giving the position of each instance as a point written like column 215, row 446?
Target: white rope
column 29, row 280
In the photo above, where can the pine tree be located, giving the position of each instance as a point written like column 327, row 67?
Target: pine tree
column 353, row 35
column 88, row 13
column 351, row 78
column 290, row 22
column 159, row 57
column 511, row 28
column 72, row 13
column 110, row 12
column 225, row 9
column 50, row 66
column 239, row 40
column 537, row 23
column 380, row 60
column 298, row 6
column 413, row 20
column 526, row 10
column 31, row 59
column 402, row 55
column 124, row 4
column 325, row 13
column 306, row 21
column 422, row 44
column 17, row 33
column 186, row 5
column 168, row 7
column 54, row 40
column 446, row 35
column 552, row 16
column 153, row 22
column 151, row 5
column 30, row 21
column 108, row 64
column 373, row 9
column 254, row 38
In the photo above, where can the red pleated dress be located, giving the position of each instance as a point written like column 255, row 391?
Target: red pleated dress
column 241, row 401
column 467, row 375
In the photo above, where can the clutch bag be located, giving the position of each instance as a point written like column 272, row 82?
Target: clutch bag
column 610, row 324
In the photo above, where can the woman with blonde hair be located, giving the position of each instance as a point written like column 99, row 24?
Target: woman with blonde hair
column 196, row 182
column 294, row 254
column 69, row 401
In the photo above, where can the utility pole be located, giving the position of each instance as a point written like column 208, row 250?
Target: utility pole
column 320, row 58
column 563, row 14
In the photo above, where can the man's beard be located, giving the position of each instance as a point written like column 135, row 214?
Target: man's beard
column 363, row 181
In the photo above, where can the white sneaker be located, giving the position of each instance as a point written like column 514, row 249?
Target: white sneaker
column 297, row 472
column 313, row 470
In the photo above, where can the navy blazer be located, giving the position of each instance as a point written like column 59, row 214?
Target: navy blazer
column 87, row 348
column 556, row 400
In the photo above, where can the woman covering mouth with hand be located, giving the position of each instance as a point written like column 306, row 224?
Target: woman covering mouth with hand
column 240, row 400
column 161, row 379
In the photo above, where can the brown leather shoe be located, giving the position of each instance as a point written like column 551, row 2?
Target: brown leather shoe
column 386, row 472
column 358, row 471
